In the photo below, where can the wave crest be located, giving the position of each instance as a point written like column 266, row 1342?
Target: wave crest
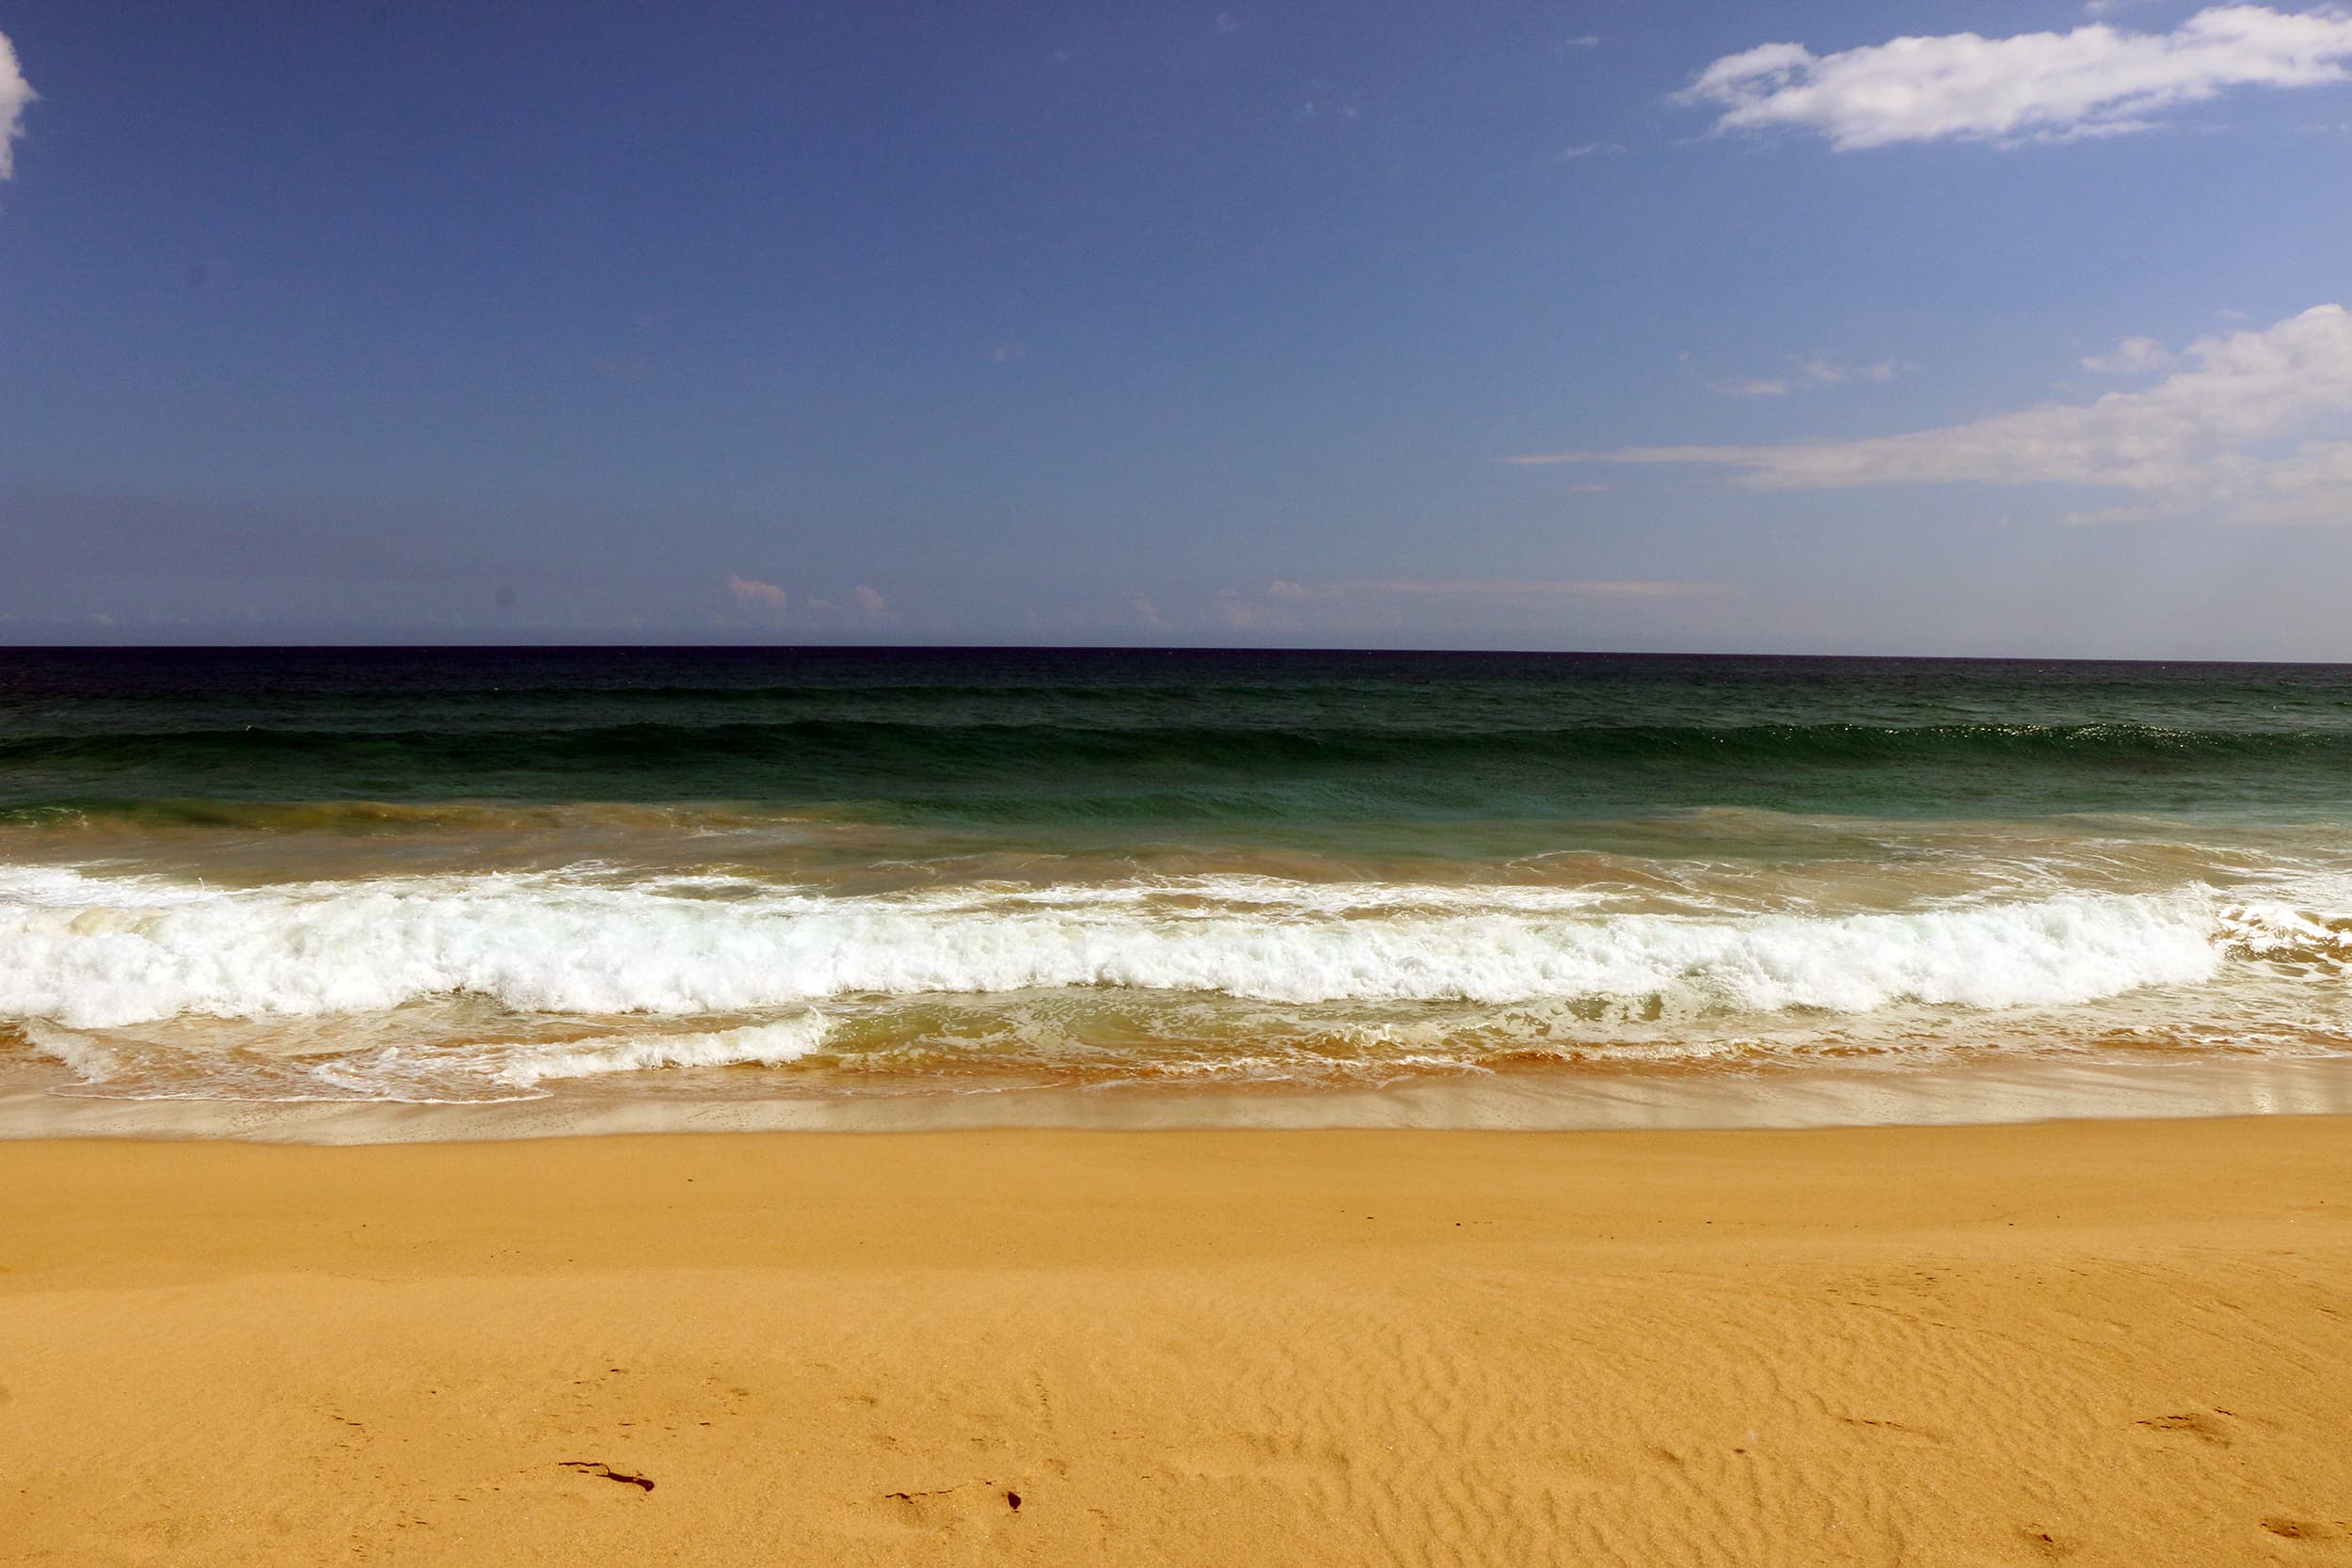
column 91, row 952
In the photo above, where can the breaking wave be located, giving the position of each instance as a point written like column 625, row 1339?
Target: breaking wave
column 496, row 985
column 93, row 951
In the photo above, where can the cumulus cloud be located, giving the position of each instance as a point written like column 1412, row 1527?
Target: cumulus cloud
column 870, row 603
column 2096, row 80
column 15, row 93
column 2131, row 356
column 751, row 591
column 2255, row 425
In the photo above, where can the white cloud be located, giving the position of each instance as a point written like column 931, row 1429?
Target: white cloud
column 860, row 602
column 751, row 591
column 2131, row 356
column 15, row 93
column 2313, row 485
column 1585, row 150
column 2256, row 425
column 1827, row 371
column 1812, row 372
column 2096, row 80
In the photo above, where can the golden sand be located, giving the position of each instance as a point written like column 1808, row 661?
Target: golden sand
column 2124, row 1343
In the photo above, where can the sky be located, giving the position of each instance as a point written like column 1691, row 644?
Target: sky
column 1911, row 327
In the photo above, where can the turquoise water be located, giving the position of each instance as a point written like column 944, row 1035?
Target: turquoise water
column 469, row 874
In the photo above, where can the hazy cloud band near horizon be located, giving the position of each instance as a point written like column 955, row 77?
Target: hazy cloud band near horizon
column 2257, row 427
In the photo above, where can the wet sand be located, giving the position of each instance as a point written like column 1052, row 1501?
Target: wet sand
column 45, row 1100
column 2088, row 1342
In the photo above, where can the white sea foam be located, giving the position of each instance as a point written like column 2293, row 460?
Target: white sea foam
column 473, row 1071
column 526, row 1065
column 89, row 1059
column 91, row 952
column 1271, row 894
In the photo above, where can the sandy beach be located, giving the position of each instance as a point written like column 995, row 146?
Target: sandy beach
column 2095, row 1342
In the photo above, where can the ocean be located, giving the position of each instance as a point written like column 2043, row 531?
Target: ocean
column 439, row 876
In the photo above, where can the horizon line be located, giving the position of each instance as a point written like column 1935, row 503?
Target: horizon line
column 420, row 647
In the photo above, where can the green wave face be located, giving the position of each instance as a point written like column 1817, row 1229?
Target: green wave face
column 1251, row 742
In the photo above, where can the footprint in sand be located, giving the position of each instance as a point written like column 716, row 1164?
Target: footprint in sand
column 1900, row 1431
column 2218, row 1427
column 976, row 1505
column 2049, row 1545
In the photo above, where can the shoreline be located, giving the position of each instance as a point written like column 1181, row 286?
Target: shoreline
column 1988, row 1090
column 2110, row 1342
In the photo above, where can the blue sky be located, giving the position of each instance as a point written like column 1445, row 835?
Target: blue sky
column 1705, row 326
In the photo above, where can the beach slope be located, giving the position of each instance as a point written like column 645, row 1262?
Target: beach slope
column 2093, row 1343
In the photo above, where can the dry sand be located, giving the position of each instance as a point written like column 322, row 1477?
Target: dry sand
column 2090, row 1343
